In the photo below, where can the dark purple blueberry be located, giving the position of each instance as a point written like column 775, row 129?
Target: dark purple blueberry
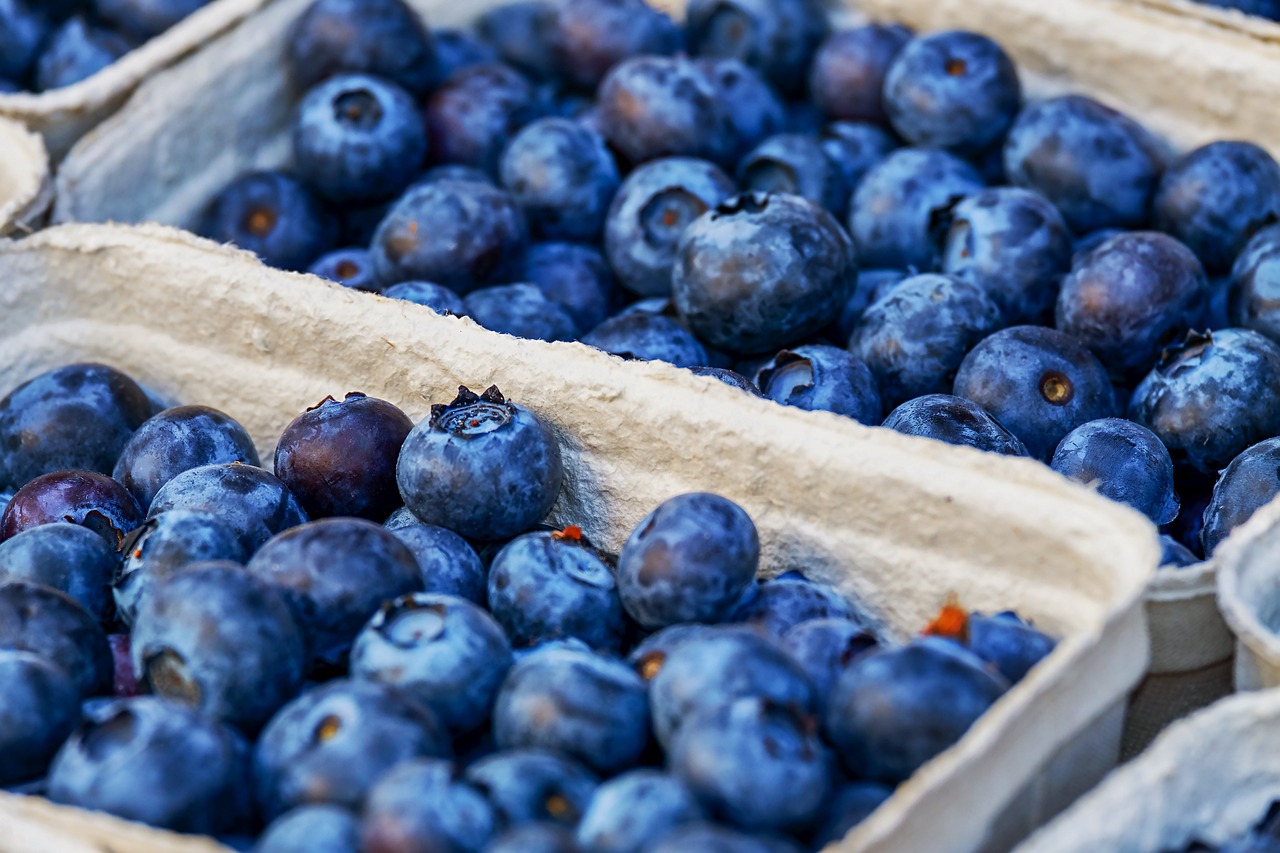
column 520, row 310
column 339, row 458
column 562, row 176
column 954, row 420
column 144, row 19
column 334, row 742
column 1125, row 461
column 76, row 51
column 757, row 112
column 776, row 37
column 649, row 214
column 386, row 38
column 822, row 378
column 480, row 466
column 48, row 623
column 1098, row 166
column 273, row 215
column 449, row 566
column 796, row 164
column 157, row 762
column 461, row 234
column 576, row 276
column 1249, row 483
column 592, row 36
column 437, row 297
column 846, row 80
column 524, row 35
column 252, row 502
column 178, row 440
column 312, row 829
column 67, row 557
column 75, row 417
column 473, row 115
column 730, row 378
column 39, row 707
column 530, row 785
column 86, row 498
column 424, row 805
column 647, row 337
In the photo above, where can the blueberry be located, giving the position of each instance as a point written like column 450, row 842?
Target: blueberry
column 714, row 667
column 632, row 811
column 23, row 29
column 456, row 50
column 760, row 272
column 1211, row 397
column 75, row 417
column 902, row 201
column 1131, row 297
column 76, row 51
column 541, row 837
column 1216, row 197
column 386, row 38
column 730, row 378
column 650, row 654
column 46, row 622
column 522, row 310
column 334, row 573
column 822, row 378
column 158, row 762
column 39, row 707
column 144, row 19
column 443, row 651
column 825, row 647
column 647, row 337
column 849, row 806
column 757, row 764
column 1038, row 383
column 530, row 785
column 846, row 79
column 1173, row 554
column 778, row 605
column 954, row 420
column 915, row 337
column 1254, row 283
column 796, row 164
column 703, row 837
column 273, row 215
column 461, row 234
column 1098, row 166
column 253, row 503
column 437, row 297
column 563, row 176
column 776, row 37
column 757, row 112
column 1269, row 9
column 661, row 106
column 1196, row 491
column 524, row 35
column 424, row 804
column 475, row 113
column 1127, row 463
column 339, row 458
column 956, row 90
column 894, row 710
column 870, row 286
column 67, row 557
column 312, row 829
column 480, row 466
column 1248, row 484
column 448, row 565
column 649, row 214
column 178, row 440
column 854, row 148
column 574, row 275
column 1012, row 645
column 553, row 585
column 1015, row 245
column 592, row 36
column 334, row 742
column 690, row 560
column 81, row 497
column 162, row 545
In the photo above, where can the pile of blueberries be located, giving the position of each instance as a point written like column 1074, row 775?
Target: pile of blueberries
column 48, row 44
column 864, row 221
column 380, row 648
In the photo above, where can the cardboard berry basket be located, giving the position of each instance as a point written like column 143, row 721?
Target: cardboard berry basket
column 1208, row 778
column 26, row 184
column 64, row 115
column 1249, row 594
column 895, row 523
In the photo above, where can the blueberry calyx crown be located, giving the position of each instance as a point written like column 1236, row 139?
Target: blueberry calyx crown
column 1181, row 354
column 357, row 395
column 469, row 415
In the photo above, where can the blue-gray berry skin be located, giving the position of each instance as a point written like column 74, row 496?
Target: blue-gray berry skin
column 386, row 38
column 956, row 90
column 1254, row 288
column 760, row 272
column 521, row 310
column 650, row 212
column 796, row 164
column 334, row 573
column 577, row 702
column 563, row 177
column 335, row 741
column 758, row 765
column 825, row 647
column 473, row 115
column 524, row 35
column 178, row 440
column 886, row 716
column 690, row 560
column 1175, row 555
column 817, row 377
column 75, row 417
column 461, row 234
column 480, row 466
column 707, row 837
column 158, row 762
column 437, row 297
column 546, row 586
column 1211, row 397
column 531, row 785
column 350, row 267
column 757, row 110
column 848, row 807
column 855, row 147
column 1098, row 166
column 144, row 19
column 23, row 30
column 633, row 810
column 39, row 708
column 424, row 804
column 444, row 651
column 1248, row 484
column 1127, row 463
column 574, row 275
column 900, row 203
column 647, row 337
column 41, row 620
column 447, row 563
column 251, row 501
column 541, row 837
column 67, row 557
column 221, row 640
column 729, row 377
column 312, row 829
column 75, row 51
column 779, row 604
column 954, row 420
column 846, row 80
column 651, row 653
column 275, row 216
column 165, row 544
column 1009, row 643
column 592, row 36
column 776, row 37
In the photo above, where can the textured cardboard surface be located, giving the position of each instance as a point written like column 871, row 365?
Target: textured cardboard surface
column 1249, row 594
column 895, row 523
column 26, row 186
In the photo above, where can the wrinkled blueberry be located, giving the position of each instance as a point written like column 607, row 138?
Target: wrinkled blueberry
column 730, row 378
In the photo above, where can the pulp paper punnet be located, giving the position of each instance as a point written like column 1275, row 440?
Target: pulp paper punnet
column 1249, row 595
column 26, row 186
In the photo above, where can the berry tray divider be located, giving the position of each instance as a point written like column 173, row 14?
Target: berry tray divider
column 1247, row 595
column 894, row 522
column 26, row 183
